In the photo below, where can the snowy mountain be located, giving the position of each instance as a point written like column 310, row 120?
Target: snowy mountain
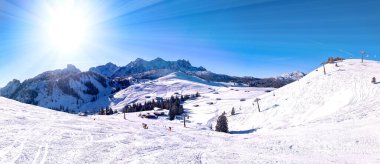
column 142, row 69
column 332, row 118
column 10, row 88
column 71, row 90
column 106, row 70
column 147, row 69
column 291, row 76
column 63, row 89
column 276, row 82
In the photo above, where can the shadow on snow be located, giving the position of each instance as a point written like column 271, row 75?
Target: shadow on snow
column 243, row 131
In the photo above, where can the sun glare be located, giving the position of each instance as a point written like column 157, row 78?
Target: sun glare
column 67, row 29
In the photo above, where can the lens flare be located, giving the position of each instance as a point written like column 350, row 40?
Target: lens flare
column 66, row 28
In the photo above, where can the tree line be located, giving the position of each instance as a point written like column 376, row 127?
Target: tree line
column 106, row 111
column 173, row 104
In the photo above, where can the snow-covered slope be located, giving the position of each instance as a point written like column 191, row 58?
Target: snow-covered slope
column 331, row 118
column 174, row 84
column 344, row 94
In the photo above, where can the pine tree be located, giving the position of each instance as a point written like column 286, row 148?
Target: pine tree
column 101, row 111
column 171, row 114
column 175, row 107
column 182, row 98
column 222, row 124
column 233, row 111
column 180, row 111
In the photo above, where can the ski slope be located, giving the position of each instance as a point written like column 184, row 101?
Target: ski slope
column 177, row 84
column 333, row 118
column 344, row 93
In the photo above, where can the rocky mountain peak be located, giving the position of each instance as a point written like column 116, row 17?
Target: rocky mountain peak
column 72, row 68
column 106, row 70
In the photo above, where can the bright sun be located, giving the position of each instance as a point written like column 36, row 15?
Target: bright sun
column 66, row 29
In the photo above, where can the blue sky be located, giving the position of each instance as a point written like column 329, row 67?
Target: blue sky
column 258, row 38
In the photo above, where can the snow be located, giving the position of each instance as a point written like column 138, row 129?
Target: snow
column 345, row 91
column 333, row 118
column 163, row 87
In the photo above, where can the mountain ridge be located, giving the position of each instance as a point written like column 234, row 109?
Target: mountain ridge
column 159, row 67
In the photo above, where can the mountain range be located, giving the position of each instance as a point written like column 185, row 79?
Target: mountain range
column 70, row 89
column 142, row 69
